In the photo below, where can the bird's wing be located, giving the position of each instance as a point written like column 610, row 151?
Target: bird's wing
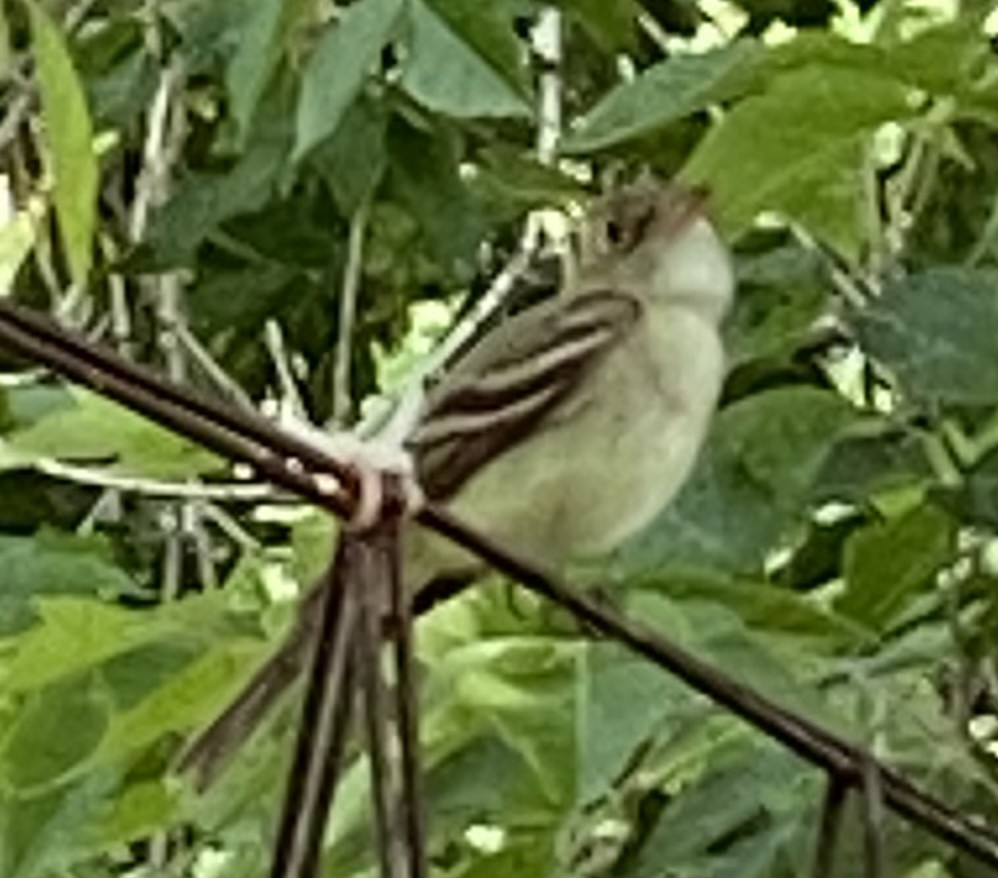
column 512, row 382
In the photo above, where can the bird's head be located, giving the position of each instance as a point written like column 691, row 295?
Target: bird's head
column 657, row 240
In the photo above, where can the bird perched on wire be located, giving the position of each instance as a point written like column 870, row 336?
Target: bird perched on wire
column 569, row 427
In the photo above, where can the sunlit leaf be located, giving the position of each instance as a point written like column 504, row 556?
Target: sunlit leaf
column 69, row 138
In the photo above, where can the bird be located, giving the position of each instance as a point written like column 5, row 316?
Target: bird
column 566, row 429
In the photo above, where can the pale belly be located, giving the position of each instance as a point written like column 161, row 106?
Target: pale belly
column 567, row 496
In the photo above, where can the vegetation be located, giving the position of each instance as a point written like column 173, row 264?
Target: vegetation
column 289, row 203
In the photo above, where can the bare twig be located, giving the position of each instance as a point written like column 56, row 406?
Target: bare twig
column 231, row 492
column 342, row 395
column 547, row 43
column 289, row 401
column 211, row 367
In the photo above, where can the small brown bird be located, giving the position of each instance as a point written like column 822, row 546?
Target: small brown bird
column 569, row 427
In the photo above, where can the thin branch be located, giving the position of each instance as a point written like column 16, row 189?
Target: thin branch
column 289, row 401
column 547, row 44
column 342, row 396
column 232, row 492
column 211, row 367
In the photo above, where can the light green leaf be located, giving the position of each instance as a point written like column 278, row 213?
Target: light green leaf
column 16, row 240
column 781, row 293
column 796, row 149
column 69, row 135
column 761, row 605
column 339, row 66
column 264, row 29
column 885, row 563
column 662, row 94
column 74, row 634
column 138, row 812
column 623, row 702
column 37, row 751
column 936, row 332
column 102, row 432
column 449, row 76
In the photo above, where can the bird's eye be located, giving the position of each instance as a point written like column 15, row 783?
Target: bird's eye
column 614, row 232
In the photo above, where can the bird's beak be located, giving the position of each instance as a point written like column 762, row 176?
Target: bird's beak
column 684, row 205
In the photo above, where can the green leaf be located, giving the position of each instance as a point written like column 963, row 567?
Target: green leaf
column 797, row 149
column 103, row 432
column 37, row 750
column 751, row 487
column 742, row 819
column 353, row 160
column 448, row 75
column 781, row 293
column 425, row 177
column 264, row 29
column 623, row 701
column 40, row 834
column 488, row 30
column 662, row 94
column 49, row 564
column 202, row 201
column 761, row 605
column 69, row 135
column 935, row 331
column 339, row 67
column 887, row 562
column 183, row 701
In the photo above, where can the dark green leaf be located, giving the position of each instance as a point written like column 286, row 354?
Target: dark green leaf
column 426, row 178
column 448, row 75
column 611, row 25
column 263, row 31
column 936, row 332
column 662, row 94
column 488, row 30
column 885, row 563
column 101, row 432
column 353, row 160
column 339, row 66
column 50, row 564
column 781, row 294
column 751, row 487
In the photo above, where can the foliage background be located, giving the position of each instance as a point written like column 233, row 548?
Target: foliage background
column 200, row 183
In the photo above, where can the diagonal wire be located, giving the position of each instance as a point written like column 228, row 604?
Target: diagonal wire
column 275, row 459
